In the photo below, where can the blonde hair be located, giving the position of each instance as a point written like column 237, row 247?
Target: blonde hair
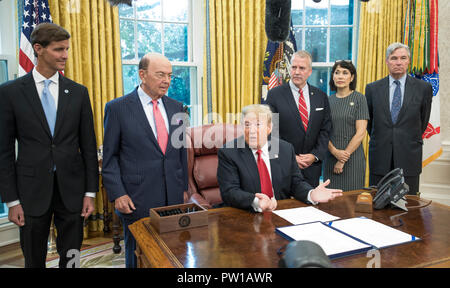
column 259, row 110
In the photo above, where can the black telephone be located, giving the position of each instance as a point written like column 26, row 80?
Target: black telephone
column 391, row 189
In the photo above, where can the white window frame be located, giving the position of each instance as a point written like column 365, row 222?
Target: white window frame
column 328, row 26
column 195, row 52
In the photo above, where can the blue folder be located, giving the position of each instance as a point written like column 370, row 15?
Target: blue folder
column 368, row 247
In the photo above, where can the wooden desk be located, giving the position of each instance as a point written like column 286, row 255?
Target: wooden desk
column 237, row 238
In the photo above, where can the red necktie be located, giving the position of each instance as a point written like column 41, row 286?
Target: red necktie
column 303, row 110
column 264, row 177
column 161, row 130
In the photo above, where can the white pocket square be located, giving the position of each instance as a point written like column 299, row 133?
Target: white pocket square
column 319, row 109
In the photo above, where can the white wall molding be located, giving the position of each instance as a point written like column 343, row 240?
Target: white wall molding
column 435, row 178
column 9, row 234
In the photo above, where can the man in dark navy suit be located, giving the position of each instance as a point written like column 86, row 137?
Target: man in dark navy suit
column 254, row 172
column 144, row 159
column 304, row 117
column 55, row 173
column 399, row 109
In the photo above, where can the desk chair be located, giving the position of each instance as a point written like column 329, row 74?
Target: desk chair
column 202, row 145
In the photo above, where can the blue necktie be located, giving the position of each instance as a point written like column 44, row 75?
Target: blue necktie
column 396, row 102
column 48, row 103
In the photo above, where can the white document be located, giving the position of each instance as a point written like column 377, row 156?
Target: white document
column 331, row 241
column 372, row 232
column 304, row 215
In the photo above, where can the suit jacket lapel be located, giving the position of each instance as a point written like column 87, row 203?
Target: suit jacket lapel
column 31, row 94
column 252, row 168
column 276, row 176
column 170, row 112
column 289, row 97
column 384, row 95
column 63, row 99
column 407, row 96
column 313, row 104
column 135, row 106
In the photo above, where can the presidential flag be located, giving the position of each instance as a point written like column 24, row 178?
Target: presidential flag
column 34, row 12
column 421, row 35
column 277, row 62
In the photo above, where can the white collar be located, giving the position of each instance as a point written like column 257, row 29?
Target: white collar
column 38, row 77
column 402, row 80
column 296, row 89
column 145, row 98
column 264, row 149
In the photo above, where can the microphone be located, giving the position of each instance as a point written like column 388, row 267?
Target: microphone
column 117, row 2
column 278, row 19
column 304, row 254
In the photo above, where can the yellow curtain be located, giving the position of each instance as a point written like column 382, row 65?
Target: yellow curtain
column 380, row 24
column 94, row 61
column 235, row 47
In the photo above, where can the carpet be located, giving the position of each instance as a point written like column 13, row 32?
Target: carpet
column 98, row 256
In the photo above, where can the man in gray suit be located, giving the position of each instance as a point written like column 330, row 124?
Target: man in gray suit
column 399, row 108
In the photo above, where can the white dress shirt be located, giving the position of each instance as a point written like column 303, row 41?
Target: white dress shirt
column 266, row 159
column 147, row 104
column 54, row 91
column 296, row 92
column 53, row 86
column 392, row 87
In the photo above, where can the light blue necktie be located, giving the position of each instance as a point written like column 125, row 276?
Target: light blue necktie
column 48, row 103
column 396, row 102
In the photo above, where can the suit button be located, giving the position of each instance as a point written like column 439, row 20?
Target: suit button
column 53, row 146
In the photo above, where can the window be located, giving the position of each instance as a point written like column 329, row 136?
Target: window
column 3, row 78
column 174, row 29
column 3, row 210
column 327, row 30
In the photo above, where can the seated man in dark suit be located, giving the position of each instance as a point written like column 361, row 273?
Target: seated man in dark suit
column 255, row 171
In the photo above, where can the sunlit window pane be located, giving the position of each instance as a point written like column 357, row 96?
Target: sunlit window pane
column 316, row 13
column 149, row 38
column 126, row 11
column 320, row 78
column 341, row 43
column 341, row 12
column 176, row 10
column 180, row 87
column 297, row 12
column 316, row 43
column 148, row 9
column 130, row 78
column 176, row 42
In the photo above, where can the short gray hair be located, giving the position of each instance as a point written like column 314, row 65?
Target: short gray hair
column 258, row 109
column 303, row 54
column 395, row 46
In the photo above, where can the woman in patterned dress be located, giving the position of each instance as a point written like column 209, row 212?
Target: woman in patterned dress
column 345, row 164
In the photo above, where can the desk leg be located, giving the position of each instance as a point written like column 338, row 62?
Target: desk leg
column 116, row 233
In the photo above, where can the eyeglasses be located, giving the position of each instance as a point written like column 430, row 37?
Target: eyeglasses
column 162, row 75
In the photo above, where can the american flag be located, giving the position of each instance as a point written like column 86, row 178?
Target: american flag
column 276, row 64
column 34, row 12
column 275, row 79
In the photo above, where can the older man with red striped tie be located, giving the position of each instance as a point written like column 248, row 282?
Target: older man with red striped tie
column 256, row 170
column 304, row 117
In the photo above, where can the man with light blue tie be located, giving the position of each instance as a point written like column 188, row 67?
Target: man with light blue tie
column 399, row 109
column 144, row 156
column 55, row 173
